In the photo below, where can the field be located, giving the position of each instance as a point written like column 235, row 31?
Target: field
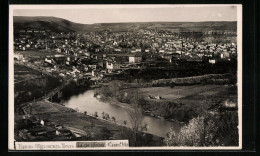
column 178, row 92
column 187, row 94
column 208, row 79
column 43, row 107
column 22, row 73
column 183, row 103
column 212, row 96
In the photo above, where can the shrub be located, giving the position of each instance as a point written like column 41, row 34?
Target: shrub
column 210, row 129
column 105, row 133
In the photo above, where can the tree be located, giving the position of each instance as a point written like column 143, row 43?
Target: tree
column 228, row 127
column 92, row 124
column 200, row 131
column 95, row 114
column 30, row 106
column 144, row 127
column 172, row 85
column 107, row 116
column 88, row 133
column 85, row 113
column 103, row 115
column 113, row 119
column 113, row 89
column 135, row 118
column 210, row 129
column 105, row 133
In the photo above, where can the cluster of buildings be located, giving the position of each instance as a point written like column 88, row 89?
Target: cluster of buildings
column 95, row 54
column 106, row 41
column 36, row 129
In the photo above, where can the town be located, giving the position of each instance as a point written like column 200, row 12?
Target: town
column 142, row 59
column 97, row 54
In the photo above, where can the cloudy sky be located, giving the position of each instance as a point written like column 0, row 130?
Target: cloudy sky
column 89, row 14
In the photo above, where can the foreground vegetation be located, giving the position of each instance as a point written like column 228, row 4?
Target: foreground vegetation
column 218, row 128
column 28, row 90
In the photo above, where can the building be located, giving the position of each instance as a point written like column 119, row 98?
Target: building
column 177, row 44
column 18, row 56
column 117, row 50
column 225, row 55
column 87, row 54
column 112, row 65
column 212, row 61
column 167, row 57
column 58, row 50
column 48, row 60
column 135, row 59
column 136, row 50
column 175, row 55
column 92, row 66
column 161, row 51
column 147, row 50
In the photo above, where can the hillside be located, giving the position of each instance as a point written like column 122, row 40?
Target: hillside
column 61, row 25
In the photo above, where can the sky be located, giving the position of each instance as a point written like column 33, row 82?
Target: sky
column 89, row 14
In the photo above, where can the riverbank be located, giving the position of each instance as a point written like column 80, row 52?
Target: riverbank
column 86, row 102
column 114, row 102
column 128, row 106
column 93, row 127
column 58, row 114
column 178, row 104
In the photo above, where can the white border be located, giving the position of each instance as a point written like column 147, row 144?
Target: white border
column 94, row 6
column 11, row 83
column 11, row 69
column 240, row 70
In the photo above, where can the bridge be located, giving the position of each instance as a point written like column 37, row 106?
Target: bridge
column 46, row 96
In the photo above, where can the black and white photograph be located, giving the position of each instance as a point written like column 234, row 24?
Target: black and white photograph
column 116, row 77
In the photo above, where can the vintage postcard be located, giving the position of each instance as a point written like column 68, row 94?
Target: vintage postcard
column 125, row 77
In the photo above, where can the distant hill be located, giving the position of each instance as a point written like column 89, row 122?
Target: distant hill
column 61, row 25
column 46, row 23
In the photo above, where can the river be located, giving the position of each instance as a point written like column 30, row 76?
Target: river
column 87, row 102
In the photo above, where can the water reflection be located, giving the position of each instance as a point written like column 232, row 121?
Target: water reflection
column 87, row 102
